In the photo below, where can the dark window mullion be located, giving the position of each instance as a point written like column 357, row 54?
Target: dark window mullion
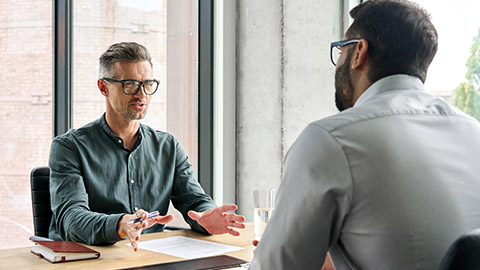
column 63, row 66
column 205, row 95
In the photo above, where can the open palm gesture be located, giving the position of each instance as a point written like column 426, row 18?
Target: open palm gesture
column 216, row 221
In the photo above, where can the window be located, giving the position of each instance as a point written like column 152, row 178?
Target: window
column 25, row 111
column 169, row 33
column 457, row 27
column 168, row 28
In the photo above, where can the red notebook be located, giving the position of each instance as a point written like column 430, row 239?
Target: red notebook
column 62, row 251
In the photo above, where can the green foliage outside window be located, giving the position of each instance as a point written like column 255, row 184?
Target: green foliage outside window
column 467, row 94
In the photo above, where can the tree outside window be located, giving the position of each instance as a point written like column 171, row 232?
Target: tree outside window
column 467, row 94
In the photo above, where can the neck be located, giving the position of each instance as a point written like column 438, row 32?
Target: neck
column 362, row 83
column 124, row 128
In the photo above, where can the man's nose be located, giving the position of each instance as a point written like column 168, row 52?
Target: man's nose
column 141, row 91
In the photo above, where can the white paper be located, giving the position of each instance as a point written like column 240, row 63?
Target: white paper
column 185, row 247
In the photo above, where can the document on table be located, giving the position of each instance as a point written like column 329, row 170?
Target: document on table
column 185, row 247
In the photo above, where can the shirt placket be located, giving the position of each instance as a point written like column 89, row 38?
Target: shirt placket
column 132, row 182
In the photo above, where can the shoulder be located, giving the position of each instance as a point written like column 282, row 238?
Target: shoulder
column 74, row 134
column 334, row 122
column 317, row 139
column 327, row 135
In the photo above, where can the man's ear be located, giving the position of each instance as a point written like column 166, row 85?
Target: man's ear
column 360, row 54
column 102, row 87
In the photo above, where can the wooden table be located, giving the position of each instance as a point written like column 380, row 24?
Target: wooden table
column 122, row 256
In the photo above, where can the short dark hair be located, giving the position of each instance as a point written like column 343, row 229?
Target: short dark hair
column 401, row 38
column 123, row 51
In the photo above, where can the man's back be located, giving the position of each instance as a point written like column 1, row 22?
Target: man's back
column 397, row 176
column 415, row 180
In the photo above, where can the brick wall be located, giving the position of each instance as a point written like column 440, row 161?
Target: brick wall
column 25, row 110
column 26, row 92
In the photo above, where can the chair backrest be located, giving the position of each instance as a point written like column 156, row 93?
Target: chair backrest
column 42, row 212
column 464, row 253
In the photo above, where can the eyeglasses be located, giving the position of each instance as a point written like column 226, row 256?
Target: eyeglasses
column 131, row 87
column 335, row 51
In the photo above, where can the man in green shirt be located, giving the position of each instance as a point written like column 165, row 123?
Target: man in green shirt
column 115, row 169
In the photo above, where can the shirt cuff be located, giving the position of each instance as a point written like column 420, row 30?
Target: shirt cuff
column 111, row 227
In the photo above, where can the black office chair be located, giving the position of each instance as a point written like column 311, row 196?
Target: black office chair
column 42, row 212
column 464, row 253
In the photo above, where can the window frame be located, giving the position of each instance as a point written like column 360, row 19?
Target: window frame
column 62, row 65
column 205, row 95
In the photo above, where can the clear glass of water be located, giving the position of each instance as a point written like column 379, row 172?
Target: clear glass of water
column 264, row 202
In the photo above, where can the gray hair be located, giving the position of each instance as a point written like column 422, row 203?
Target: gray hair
column 123, row 51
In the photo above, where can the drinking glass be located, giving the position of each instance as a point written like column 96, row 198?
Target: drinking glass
column 264, row 202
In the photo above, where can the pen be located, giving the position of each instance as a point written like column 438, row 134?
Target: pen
column 150, row 215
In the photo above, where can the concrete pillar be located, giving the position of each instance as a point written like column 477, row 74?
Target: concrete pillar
column 259, row 98
column 309, row 28
column 285, row 80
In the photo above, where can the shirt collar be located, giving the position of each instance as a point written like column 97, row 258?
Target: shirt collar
column 393, row 82
column 103, row 123
column 115, row 138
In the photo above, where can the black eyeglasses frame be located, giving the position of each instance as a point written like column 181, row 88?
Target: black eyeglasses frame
column 139, row 83
column 338, row 45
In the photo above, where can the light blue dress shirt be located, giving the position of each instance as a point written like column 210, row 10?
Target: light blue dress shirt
column 387, row 184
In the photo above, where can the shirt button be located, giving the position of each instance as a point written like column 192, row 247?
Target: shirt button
column 136, row 208
column 132, row 181
column 119, row 141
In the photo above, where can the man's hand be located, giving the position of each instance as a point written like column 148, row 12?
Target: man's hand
column 132, row 231
column 216, row 221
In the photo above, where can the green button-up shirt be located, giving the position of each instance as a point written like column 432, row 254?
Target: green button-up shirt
column 95, row 179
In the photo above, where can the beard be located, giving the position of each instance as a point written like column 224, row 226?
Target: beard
column 133, row 113
column 344, row 85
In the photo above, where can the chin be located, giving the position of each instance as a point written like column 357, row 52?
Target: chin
column 136, row 116
column 141, row 116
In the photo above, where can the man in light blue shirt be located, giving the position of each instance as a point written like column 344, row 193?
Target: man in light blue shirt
column 393, row 179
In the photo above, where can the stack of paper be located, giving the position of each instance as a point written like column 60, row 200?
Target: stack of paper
column 185, row 247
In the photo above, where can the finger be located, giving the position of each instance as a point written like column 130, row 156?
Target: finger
column 141, row 214
column 236, row 225
column 255, row 243
column 134, row 230
column 132, row 234
column 240, row 218
column 133, row 237
column 234, row 217
column 194, row 215
column 134, row 245
column 227, row 207
column 163, row 219
column 233, row 232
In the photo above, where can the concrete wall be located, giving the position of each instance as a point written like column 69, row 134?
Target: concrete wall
column 285, row 80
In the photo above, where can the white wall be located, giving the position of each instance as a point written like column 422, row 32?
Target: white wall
column 284, row 81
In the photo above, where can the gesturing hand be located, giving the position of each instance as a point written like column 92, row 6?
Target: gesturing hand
column 216, row 221
column 133, row 230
